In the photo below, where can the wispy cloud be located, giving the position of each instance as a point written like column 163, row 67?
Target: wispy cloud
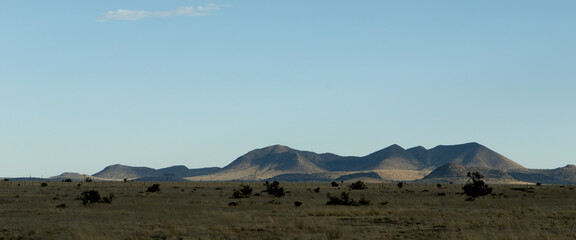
column 133, row 15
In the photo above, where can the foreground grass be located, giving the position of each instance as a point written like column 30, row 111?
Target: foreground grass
column 202, row 211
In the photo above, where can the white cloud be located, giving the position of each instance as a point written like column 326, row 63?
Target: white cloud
column 131, row 15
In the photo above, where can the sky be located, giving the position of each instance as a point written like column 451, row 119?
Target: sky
column 87, row 84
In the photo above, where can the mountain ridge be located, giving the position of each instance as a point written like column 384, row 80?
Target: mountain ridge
column 392, row 163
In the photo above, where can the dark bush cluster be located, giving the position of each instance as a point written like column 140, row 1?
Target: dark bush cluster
column 44, row 184
column 93, row 196
column 335, row 184
column 359, row 185
column 153, row 188
column 274, row 189
column 475, row 187
column 345, row 199
column 400, row 185
column 244, row 192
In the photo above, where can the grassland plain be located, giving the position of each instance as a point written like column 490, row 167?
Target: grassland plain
column 201, row 210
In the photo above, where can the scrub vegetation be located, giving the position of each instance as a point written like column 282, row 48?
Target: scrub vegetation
column 203, row 210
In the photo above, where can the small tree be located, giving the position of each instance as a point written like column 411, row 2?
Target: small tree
column 475, row 187
column 274, row 189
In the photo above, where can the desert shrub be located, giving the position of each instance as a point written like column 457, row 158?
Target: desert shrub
column 63, row 205
column 274, row 189
column 233, row 204
column 317, row 190
column 153, row 188
column 6, row 179
column 345, row 199
column 67, row 180
column 246, row 190
column 91, row 196
column 237, row 194
column 108, row 199
column 44, row 184
column 475, row 187
column 538, row 184
column 359, row 185
column 88, row 179
column 363, row 201
column 400, row 185
column 297, row 203
column 438, row 185
column 335, row 184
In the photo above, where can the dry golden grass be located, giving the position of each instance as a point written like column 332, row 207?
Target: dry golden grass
column 193, row 210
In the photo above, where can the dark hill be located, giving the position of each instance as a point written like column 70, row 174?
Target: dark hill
column 183, row 171
column 470, row 155
column 277, row 158
column 118, row 171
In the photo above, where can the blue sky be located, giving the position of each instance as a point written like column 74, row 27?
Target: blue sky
column 86, row 84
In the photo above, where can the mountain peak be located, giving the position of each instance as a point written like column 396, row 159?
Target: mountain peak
column 395, row 147
column 276, row 149
column 417, row 148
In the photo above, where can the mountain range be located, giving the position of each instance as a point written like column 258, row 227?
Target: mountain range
column 444, row 163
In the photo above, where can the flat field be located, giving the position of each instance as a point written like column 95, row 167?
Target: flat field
column 201, row 210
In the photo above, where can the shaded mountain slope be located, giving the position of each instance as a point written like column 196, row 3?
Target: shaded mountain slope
column 563, row 175
column 457, row 173
column 183, row 171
